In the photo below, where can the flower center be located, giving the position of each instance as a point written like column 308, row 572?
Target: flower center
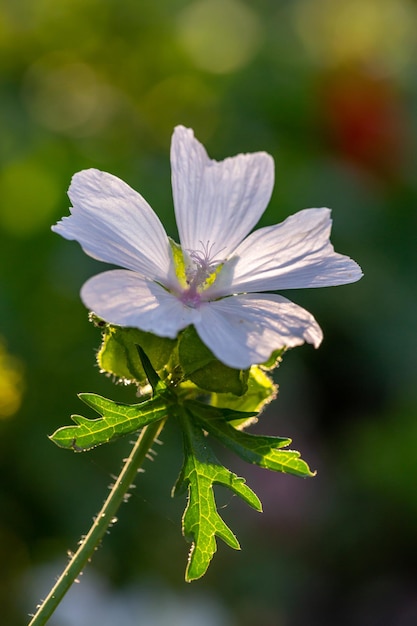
column 201, row 270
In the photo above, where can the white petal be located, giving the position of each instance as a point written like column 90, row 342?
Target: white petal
column 291, row 255
column 244, row 330
column 126, row 299
column 113, row 223
column 217, row 203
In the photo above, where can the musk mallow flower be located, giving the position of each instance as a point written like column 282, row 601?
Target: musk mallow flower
column 221, row 278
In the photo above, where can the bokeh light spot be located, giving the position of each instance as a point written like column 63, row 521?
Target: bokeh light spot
column 68, row 97
column 221, row 36
column 29, row 194
column 357, row 30
column 11, row 383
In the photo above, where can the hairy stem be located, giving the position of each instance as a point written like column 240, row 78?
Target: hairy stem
column 90, row 542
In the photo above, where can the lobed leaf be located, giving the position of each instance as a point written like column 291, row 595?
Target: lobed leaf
column 261, row 450
column 201, row 520
column 117, row 420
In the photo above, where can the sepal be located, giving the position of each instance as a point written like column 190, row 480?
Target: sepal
column 118, row 354
column 261, row 390
column 199, row 365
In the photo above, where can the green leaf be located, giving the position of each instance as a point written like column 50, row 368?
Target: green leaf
column 118, row 354
column 261, row 450
column 117, row 420
column 199, row 365
column 201, row 521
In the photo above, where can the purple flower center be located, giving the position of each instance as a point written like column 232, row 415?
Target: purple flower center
column 191, row 298
column 200, row 272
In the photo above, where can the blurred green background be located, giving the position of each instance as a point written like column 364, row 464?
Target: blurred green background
column 329, row 88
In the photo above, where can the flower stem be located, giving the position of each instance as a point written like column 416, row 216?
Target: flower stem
column 104, row 519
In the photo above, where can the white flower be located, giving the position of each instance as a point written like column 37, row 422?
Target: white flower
column 218, row 287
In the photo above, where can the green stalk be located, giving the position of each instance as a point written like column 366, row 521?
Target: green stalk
column 101, row 523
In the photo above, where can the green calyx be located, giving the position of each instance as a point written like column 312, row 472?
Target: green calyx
column 186, row 365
